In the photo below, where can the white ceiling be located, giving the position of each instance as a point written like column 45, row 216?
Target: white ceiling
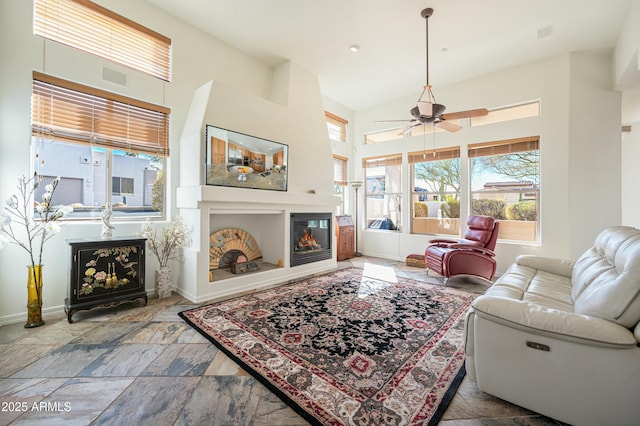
column 467, row 38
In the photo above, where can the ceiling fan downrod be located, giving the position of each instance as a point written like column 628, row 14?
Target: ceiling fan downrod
column 426, row 13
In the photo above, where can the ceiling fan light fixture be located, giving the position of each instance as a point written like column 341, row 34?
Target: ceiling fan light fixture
column 425, row 108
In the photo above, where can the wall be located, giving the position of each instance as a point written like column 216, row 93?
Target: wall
column 568, row 86
column 627, row 73
column 197, row 58
column 594, row 151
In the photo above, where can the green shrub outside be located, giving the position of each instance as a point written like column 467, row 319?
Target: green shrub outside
column 450, row 209
column 489, row 207
column 420, row 209
column 524, row 210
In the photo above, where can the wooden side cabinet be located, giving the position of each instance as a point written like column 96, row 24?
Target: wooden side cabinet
column 345, row 237
column 105, row 273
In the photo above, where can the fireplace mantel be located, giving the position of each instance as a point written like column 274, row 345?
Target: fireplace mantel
column 194, row 196
column 264, row 214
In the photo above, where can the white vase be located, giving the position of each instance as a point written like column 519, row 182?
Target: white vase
column 164, row 282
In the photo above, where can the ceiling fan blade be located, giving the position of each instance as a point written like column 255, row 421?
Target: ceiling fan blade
column 410, row 128
column 465, row 114
column 449, row 127
column 392, row 121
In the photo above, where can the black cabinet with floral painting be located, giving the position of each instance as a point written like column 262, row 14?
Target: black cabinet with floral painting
column 105, row 273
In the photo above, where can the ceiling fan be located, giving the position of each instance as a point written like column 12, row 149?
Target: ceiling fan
column 427, row 110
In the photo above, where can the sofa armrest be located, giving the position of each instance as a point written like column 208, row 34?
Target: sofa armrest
column 473, row 248
column 441, row 241
column 553, row 323
column 548, row 264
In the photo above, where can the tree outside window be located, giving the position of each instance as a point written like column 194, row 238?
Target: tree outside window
column 436, row 191
column 505, row 184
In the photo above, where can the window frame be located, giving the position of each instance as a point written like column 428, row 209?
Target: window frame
column 504, row 147
column 386, row 161
column 340, row 180
column 507, row 113
column 121, row 179
column 73, row 114
column 438, row 225
column 340, row 123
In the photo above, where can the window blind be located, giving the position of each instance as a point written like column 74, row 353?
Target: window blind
column 387, row 160
column 337, row 126
column 71, row 112
column 84, row 25
column 507, row 146
column 434, row 155
column 339, row 170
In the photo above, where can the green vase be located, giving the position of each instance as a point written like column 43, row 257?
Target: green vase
column 34, row 297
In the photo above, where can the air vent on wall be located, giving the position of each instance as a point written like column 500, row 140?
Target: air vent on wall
column 114, row 76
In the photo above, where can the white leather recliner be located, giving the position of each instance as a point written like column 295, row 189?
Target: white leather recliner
column 561, row 337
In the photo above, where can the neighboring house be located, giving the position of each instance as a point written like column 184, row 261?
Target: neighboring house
column 512, row 192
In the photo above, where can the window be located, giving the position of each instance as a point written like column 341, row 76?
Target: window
column 430, row 129
column 505, row 184
column 529, row 109
column 339, row 180
column 337, row 127
column 122, row 186
column 84, row 25
column 384, row 136
column 105, row 147
column 383, row 192
column 436, row 191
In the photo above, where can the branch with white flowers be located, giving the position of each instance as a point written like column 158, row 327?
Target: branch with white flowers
column 165, row 247
column 18, row 212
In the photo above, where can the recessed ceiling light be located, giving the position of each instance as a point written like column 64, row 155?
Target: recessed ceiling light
column 354, row 48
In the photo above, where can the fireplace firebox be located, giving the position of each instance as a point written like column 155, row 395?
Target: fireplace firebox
column 310, row 237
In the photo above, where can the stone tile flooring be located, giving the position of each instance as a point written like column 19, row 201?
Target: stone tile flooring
column 145, row 366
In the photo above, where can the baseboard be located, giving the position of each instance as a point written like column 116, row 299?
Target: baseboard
column 46, row 312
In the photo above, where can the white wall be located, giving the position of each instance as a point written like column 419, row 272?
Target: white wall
column 627, row 73
column 594, row 151
column 567, row 86
column 197, row 58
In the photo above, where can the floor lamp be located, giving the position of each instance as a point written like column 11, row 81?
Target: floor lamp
column 356, row 184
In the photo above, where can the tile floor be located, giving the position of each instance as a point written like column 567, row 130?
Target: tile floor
column 145, row 366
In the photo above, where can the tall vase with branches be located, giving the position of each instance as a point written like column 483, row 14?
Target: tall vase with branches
column 38, row 228
column 165, row 247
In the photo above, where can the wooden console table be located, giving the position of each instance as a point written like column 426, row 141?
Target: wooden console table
column 105, row 273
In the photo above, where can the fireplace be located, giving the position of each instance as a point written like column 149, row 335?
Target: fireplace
column 310, row 237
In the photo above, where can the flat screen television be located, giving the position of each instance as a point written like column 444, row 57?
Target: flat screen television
column 243, row 161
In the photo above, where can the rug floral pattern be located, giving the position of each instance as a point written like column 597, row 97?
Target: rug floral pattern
column 347, row 349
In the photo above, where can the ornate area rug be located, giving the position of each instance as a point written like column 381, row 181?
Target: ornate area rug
column 348, row 349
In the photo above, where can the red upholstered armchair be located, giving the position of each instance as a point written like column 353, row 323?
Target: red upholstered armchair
column 472, row 255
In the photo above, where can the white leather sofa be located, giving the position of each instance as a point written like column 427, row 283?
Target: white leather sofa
column 561, row 337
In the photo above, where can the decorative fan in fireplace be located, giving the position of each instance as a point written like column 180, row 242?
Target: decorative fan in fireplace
column 227, row 245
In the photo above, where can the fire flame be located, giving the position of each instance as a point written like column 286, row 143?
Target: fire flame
column 307, row 242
